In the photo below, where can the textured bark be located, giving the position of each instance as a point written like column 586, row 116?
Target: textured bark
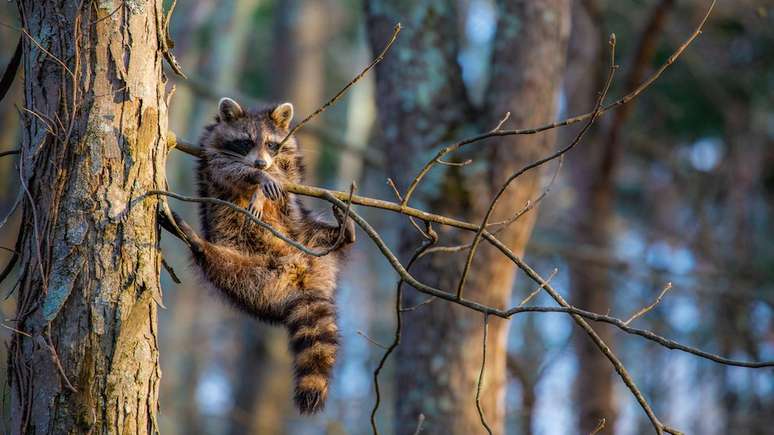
column 422, row 102
column 90, row 262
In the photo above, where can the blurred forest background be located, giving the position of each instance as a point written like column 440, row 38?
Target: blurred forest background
column 689, row 201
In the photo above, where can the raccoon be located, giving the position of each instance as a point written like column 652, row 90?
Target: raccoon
column 244, row 162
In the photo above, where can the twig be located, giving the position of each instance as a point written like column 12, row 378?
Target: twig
column 481, row 378
column 456, row 164
column 641, row 312
column 531, row 203
column 15, row 330
column 600, row 426
column 420, row 422
column 437, row 159
column 98, row 20
column 411, row 219
column 55, row 357
column 646, row 46
column 166, row 41
column 170, row 271
column 538, row 289
column 421, row 304
column 59, row 61
column 347, row 86
column 374, row 342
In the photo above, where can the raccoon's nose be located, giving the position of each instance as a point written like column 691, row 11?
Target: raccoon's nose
column 261, row 164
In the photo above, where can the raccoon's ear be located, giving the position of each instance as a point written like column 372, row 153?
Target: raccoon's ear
column 282, row 115
column 229, row 110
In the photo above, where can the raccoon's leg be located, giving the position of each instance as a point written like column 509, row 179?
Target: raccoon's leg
column 314, row 341
column 322, row 235
column 257, row 284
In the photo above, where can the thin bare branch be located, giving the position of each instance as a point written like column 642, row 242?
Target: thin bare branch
column 481, row 377
column 644, row 310
column 456, row 164
column 600, row 426
column 421, row 304
column 11, row 328
column 437, row 159
column 50, row 345
column 411, row 219
column 343, row 90
column 170, row 271
column 371, row 340
column 420, row 422
column 534, row 293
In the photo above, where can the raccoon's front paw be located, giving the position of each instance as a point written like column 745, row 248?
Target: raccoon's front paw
column 271, row 188
column 348, row 227
column 256, row 204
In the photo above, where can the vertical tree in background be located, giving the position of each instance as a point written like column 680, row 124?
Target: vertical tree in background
column 422, row 103
column 95, row 120
column 591, row 282
column 595, row 211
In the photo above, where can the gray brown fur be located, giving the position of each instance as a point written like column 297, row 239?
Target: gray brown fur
column 258, row 272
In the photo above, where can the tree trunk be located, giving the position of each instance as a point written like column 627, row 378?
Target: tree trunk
column 94, row 138
column 422, row 102
column 591, row 283
column 594, row 179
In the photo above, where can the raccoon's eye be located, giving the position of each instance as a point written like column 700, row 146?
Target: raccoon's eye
column 273, row 146
column 239, row 146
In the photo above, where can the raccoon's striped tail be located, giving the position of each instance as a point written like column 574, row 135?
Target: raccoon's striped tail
column 314, row 341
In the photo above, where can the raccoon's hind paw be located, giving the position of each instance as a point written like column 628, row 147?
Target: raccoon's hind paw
column 348, row 227
column 272, row 189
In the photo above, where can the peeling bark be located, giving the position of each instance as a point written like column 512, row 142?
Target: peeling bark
column 93, row 138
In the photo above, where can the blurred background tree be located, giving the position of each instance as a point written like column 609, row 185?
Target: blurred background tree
column 687, row 179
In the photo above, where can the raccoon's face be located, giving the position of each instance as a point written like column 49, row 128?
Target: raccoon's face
column 251, row 139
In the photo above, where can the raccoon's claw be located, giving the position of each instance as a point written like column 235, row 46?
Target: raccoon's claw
column 255, row 210
column 256, row 204
column 348, row 226
column 272, row 189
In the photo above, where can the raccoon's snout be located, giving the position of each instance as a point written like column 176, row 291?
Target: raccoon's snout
column 261, row 164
